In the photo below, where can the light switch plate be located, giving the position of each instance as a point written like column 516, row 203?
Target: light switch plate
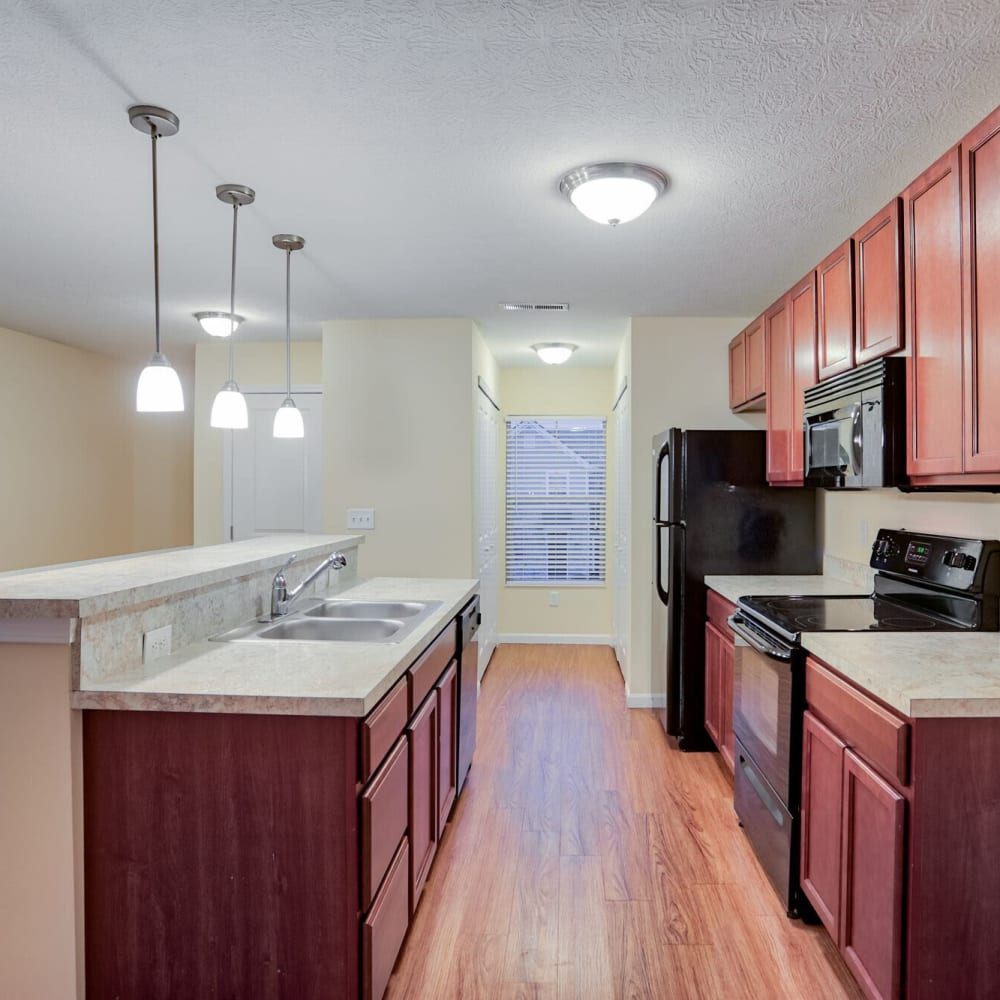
column 156, row 643
column 553, row 598
column 361, row 517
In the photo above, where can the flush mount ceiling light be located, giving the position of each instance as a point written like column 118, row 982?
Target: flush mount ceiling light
column 159, row 389
column 218, row 324
column 288, row 418
column 554, row 354
column 612, row 193
column 229, row 410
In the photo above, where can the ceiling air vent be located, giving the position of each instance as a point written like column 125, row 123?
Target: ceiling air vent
column 535, row 306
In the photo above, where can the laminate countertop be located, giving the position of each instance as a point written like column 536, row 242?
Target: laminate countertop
column 281, row 677
column 919, row 674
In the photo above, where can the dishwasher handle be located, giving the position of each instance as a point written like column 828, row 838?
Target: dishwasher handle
column 757, row 640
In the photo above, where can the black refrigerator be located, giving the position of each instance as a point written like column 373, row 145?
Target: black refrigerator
column 713, row 513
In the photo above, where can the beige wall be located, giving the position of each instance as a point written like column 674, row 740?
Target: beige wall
column 678, row 377
column 258, row 365
column 399, row 437
column 851, row 519
column 83, row 474
column 552, row 391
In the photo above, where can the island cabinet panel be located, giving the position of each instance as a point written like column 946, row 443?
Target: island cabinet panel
column 447, row 695
column 383, row 819
column 871, row 905
column 981, row 215
column 822, row 781
column 428, row 667
column 878, row 285
column 385, row 927
column 422, row 736
column 835, row 311
column 932, row 230
column 220, row 855
column 381, row 728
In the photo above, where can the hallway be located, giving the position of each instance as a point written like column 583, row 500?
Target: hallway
column 586, row 860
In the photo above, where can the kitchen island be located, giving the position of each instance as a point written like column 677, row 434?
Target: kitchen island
column 93, row 740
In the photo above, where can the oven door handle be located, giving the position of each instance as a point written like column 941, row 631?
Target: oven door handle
column 757, row 641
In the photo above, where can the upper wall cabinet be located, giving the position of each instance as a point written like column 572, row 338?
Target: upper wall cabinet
column 878, row 285
column 835, row 295
column 748, row 368
column 790, row 335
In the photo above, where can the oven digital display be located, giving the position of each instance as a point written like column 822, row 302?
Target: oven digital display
column 917, row 554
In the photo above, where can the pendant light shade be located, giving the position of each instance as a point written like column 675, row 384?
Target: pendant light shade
column 288, row 418
column 159, row 389
column 229, row 410
column 218, row 324
column 612, row 193
column 554, row 354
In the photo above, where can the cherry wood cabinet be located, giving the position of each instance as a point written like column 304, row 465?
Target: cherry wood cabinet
column 748, row 368
column 720, row 651
column 878, row 285
column 835, row 312
column 422, row 736
column 447, row 695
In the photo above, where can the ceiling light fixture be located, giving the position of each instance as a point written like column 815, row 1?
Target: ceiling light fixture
column 159, row 389
column 612, row 193
column 554, row 354
column 229, row 410
column 218, row 324
column 288, row 417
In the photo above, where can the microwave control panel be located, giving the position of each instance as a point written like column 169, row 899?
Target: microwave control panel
column 945, row 560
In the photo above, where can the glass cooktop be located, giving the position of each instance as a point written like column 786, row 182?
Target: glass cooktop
column 792, row 615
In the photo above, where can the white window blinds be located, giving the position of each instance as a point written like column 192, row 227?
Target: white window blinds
column 556, row 499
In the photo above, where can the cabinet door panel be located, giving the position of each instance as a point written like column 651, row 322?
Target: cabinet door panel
column 422, row 735
column 871, row 901
column 756, row 359
column 981, row 194
column 383, row 820
column 822, row 788
column 383, row 930
column 713, row 678
column 835, row 304
column 737, row 370
column 803, row 334
column 778, row 340
column 728, row 748
column 878, row 285
column 447, row 694
column 932, row 235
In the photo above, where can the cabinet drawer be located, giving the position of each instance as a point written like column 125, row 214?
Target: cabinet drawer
column 428, row 668
column 383, row 819
column 880, row 737
column 385, row 927
column 383, row 727
column 718, row 611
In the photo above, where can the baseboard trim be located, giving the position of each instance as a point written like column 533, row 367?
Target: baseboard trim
column 554, row 640
column 645, row 700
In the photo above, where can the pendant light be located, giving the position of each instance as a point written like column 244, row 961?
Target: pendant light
column 218, row 324
column 288, row 418
column 159, row 389
column 229, row 410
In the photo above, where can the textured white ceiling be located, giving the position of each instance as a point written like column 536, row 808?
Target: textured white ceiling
column 417, row 144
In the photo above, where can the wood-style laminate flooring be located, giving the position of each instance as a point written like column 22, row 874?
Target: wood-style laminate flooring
column 587, row 860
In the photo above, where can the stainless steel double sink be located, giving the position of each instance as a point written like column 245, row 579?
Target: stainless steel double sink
column 338, row 620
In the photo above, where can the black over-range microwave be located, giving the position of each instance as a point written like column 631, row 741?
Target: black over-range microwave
column 855, row 428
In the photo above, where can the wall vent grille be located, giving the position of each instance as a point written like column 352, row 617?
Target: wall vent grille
column 535, row 306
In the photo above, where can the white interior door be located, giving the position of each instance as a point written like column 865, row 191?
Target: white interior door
column 487, row 524
column 275, row 484
column 620, row 531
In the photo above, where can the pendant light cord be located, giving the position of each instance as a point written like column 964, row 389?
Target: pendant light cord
column 288, row 323
column 153, row 135
column 232, row 295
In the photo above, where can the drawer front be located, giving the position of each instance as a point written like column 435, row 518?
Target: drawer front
column 428, row 668
column 385, row 927
column 383, row 727
column 719, row 610
column 882, row 738
column 383, row 819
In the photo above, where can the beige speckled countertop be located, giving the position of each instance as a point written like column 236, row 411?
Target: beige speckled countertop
column 285, row 678
column 920, row 674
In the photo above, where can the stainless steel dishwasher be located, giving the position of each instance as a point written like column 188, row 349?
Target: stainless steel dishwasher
column 468, row 685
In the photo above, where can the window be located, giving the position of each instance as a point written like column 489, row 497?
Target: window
column 555, row 500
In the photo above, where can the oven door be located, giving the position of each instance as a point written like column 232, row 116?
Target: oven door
column 766, row 688
column 834, row 446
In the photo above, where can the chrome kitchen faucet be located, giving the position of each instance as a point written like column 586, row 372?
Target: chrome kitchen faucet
column 282, row 598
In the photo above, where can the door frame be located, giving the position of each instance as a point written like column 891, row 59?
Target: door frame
column 308, row 389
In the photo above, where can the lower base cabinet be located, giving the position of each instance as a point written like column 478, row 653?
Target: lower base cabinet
column 385, row 927
column 720, row 652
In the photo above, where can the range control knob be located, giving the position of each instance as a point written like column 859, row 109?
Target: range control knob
column 968, row 562
column 953, row 558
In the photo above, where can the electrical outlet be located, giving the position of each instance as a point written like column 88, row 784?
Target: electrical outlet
column 361, row 517
column 156, row 643
column 553, row 598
